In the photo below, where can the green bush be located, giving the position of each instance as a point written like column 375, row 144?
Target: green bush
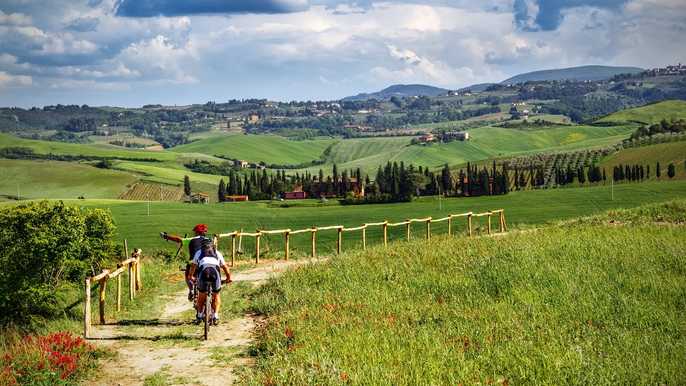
column 45, row 245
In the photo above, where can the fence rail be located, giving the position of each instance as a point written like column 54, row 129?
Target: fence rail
column 131, row 265
column 287, row 233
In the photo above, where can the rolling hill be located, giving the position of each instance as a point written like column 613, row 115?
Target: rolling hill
column 485, row 143
column 56, row 179
column 271, row 149
column 649, row 114
column 399, row 90
column 572, row 73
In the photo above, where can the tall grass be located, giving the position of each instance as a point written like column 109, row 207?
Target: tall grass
column 585, row 303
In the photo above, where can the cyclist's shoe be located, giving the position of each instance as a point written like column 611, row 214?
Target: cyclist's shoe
column 199, row 318
column 215, row 319
column 190, row 295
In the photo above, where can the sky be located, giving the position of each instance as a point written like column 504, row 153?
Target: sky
column 135, row 52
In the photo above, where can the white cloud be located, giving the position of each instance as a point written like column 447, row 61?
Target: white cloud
column 9, row 80
column 159, row 59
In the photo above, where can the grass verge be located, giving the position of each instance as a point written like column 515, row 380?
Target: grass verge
column 579, row 303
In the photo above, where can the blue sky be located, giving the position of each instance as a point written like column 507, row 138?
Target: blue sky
column 135, row 52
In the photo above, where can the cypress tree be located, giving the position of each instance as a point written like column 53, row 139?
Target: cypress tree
column 671, row 170
column 335, row 179
column 658, row 170
column 186, row 186
column 221, row 192
column 446, row 179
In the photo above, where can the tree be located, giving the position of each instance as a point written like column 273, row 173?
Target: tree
column 671, row 170
column 221, row 192
column 446, row 179
column 658, row 171
column 186, row 186
column 45, row 245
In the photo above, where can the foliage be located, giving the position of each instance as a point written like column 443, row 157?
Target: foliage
column 660, row 128
column 45, row 245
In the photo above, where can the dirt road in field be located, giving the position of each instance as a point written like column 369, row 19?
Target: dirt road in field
column 169, row 350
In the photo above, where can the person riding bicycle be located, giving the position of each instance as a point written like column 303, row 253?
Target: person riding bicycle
column 194, row 245
column 207, row 261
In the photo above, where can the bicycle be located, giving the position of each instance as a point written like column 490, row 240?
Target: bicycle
column 208, row 319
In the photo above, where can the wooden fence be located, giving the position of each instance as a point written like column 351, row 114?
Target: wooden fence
column 132, row 266
column 340, row 229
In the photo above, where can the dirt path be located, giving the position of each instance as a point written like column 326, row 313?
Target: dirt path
column 169, row 350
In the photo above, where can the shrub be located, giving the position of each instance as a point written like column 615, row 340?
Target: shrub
column 56, row 359
column 44, row 246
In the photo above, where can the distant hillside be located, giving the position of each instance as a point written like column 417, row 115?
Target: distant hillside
column 573, row 73
column 399, row 90
column 479, row 87
column 649, row 114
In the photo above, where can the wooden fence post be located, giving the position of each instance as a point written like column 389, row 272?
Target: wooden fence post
column 287, row 243
column 118, row 289
column 87, row 310
column 407, row 229
column 469, row 224
column 101, row 297
column 428, row 229
column 257, row 247
column 489, row 223
column 502, row 221
column 385, row 233
column 233, row 250
column 364, row 237
column 139, row 268
column 132, row 285
column 126, row 248
column 314, row 242
column 339, row 241
column 450, row 225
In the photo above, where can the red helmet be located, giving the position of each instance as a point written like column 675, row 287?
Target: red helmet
column 200, row 228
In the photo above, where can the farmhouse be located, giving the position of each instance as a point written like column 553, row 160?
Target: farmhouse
column 253, row 118
column 450, row 136
column 240, row 163
column 237, row 198
column 199, row 198
column 426, row 138
column 296, row 194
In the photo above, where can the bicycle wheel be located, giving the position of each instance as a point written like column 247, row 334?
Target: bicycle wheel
column 208, row 311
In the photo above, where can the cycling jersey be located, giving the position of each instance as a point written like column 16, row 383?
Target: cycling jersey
column 206, row 261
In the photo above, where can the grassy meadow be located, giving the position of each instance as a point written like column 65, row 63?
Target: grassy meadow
column 98, row 150
column 583, row 303
column 271, row 149
column 485, row 142
column 523, row 209
column 665, row 153
column 56, row 179
column 649, row 114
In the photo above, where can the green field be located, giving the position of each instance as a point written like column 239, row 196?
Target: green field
column 271, row 149
column 665, row 153
column 485, row 143
column 98, row 150
column 584, row 303
column 649, row 114
column 523, row 209
column 55, row 179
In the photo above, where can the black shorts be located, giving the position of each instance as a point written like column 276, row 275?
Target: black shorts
column 209, row 276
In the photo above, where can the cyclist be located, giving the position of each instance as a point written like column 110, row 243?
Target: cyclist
column 194, row 245
column 207, row 262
